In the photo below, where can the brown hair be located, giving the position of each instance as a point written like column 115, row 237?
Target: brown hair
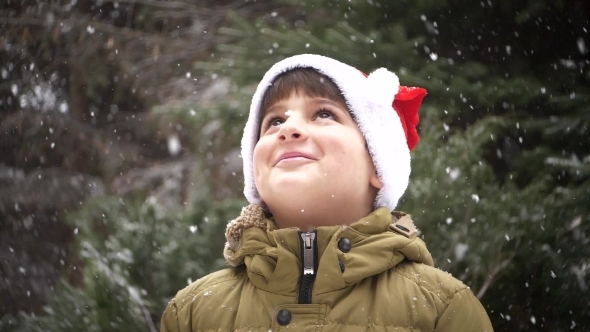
column 306, row 81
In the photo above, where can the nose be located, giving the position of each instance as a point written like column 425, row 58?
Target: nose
column 292, row 129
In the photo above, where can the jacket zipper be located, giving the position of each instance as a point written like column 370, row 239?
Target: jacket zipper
column 310, row 260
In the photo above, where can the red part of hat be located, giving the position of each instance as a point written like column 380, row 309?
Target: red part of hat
column 407, row 103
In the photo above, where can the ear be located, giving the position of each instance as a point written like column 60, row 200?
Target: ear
column 374, row 181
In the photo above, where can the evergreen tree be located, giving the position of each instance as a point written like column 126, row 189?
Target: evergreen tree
column 500, row 184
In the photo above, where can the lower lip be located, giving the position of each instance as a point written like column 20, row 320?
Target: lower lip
column 293, row 160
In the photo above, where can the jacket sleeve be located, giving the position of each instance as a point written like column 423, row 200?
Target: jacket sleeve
column 464, row 313
column 169, row 322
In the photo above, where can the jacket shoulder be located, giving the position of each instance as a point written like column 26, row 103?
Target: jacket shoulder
column 439, row 283
column 457, row 308
column 215, row 287
column 206, row 283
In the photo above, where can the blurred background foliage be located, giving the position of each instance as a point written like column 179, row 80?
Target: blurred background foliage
column 121, row 120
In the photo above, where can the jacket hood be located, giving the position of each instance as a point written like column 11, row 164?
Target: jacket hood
column 273, row 256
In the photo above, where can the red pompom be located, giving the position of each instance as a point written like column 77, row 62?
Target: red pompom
column 407, row 103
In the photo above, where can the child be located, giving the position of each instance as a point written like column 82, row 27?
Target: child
column 326, row 153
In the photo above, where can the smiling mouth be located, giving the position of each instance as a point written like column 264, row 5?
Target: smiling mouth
column 293, row 160
column 294, row 157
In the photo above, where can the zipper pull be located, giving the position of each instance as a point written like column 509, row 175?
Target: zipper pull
column 308, row 263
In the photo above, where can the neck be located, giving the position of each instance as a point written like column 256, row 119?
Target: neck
column 308, row 219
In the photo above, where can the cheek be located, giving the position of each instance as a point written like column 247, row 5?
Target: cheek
column 256, row 161
column 350, row 154
column 348, row 149
column 260, row 156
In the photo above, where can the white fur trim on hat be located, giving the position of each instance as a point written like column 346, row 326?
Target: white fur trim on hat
column 370, row 101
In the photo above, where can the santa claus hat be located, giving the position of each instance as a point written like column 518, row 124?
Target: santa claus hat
column 386, row 113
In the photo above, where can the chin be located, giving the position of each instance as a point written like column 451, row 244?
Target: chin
column 294, row 182
column 295, row 191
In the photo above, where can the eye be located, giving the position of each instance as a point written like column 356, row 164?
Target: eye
column 325, row 114
column 273, row 121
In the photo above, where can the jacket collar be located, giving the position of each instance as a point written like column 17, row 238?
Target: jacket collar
column 273, row 258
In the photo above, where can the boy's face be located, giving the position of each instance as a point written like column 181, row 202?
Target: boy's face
column 311, row 154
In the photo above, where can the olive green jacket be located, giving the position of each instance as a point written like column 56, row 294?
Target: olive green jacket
column 373, row 275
